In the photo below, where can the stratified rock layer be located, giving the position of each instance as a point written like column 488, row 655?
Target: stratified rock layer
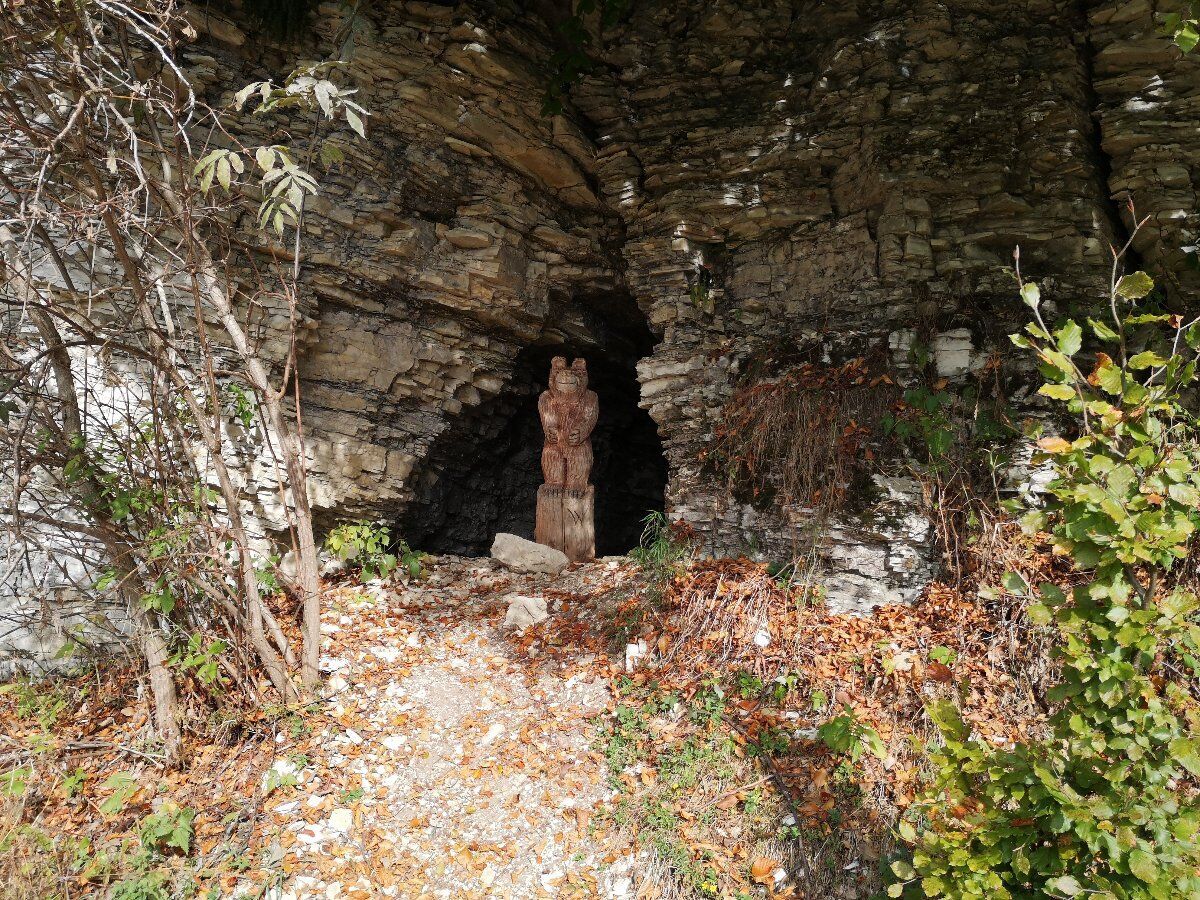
column 849, row 179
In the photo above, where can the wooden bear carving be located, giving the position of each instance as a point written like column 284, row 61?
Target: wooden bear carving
column 569, row 411
column 565, row 517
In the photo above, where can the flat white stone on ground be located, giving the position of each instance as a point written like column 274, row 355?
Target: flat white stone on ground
column 527, row 556
column 525, row 611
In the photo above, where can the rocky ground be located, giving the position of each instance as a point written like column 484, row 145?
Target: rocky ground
column 700, row 729
column 456, row 758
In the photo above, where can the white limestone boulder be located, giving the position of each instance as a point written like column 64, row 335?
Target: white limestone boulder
column 527, row 556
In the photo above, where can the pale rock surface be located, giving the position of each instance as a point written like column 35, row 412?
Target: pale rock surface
column 527, row 556
column 525, row 611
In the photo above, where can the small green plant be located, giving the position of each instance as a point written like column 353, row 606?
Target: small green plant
column 1183, row 27
column 661, row 551
column 43, row 702
column 241, row 405
column 15, row 782
column 707, row 707
column 943, row 655
column 771, row 741
column 847, row 734
column 1103, row 807
column 748, row 686
column 72, row 783
column 367, row 545
column 267, row 574
column 621, row 742
column 781, row 686
column 168, row 828
column 925, row 421
column 149, row 885
column 201, row 657
column 122, row 786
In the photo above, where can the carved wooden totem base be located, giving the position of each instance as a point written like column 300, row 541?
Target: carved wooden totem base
column 566, row 521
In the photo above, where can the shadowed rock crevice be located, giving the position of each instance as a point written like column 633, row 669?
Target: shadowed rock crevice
column 483, row 473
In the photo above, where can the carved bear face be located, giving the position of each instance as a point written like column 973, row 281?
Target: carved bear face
column 566, row 379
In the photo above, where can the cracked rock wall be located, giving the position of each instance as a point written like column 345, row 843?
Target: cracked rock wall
column 756, row 175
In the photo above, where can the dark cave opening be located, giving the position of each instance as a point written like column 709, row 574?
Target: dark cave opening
column 481, row 477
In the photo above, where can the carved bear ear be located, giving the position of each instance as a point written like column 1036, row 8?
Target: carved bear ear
column 559, row 362
column 579, row 365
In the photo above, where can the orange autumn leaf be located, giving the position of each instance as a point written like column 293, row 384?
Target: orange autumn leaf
column 1103, row 360
column 1054, row 445
column 940, row 672
column 762, row 870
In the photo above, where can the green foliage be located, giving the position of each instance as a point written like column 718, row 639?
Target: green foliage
column 749, row 686
column 943, row 655
column 73, row 783
column 1184, row 27
column 122, row 786
column 282, row 183
column 42, row 702
column 267, row 574
column 277, row 779
column 661, row 552
column 169, row 828
column 143, row 885
column 366, row 544
column 241, row 404
column 15, row 782
column 771, row 741
column 927, row 422
column 1101, row 808
column 201, row 657
column 708, row 705
column 846, row 734
column 621, row 741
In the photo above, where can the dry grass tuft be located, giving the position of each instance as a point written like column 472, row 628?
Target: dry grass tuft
column 803, row 438
column 33, row 865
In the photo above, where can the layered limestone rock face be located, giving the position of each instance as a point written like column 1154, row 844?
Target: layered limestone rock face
column 733, row 182
column 1145, row 102
column 852, row 177
column 463, row 230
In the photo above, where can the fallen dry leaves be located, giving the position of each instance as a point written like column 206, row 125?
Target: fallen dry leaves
column 454, row 756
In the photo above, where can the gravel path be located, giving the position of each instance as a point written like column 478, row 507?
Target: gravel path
column 455, row 758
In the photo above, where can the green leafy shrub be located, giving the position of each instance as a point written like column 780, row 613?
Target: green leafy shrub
column 170, row 827
column 926, row 422
column 42, row 702
column 662, row 549
column 846, row 734
column 1103, row 807
column 201, row 657
column 367, row 545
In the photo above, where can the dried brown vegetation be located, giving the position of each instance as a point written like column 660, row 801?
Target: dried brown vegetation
column 806, row 437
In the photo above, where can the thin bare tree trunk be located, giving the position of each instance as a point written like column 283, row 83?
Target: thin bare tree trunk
column 289, row 439
column 290, row 445
column 154, row 650
column 150, row 638
column 270, row 659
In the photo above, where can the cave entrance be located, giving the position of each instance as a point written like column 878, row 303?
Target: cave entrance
column 481, row 476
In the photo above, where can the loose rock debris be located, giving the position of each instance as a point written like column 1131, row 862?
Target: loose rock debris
column 633, row 743
column 455, row 760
